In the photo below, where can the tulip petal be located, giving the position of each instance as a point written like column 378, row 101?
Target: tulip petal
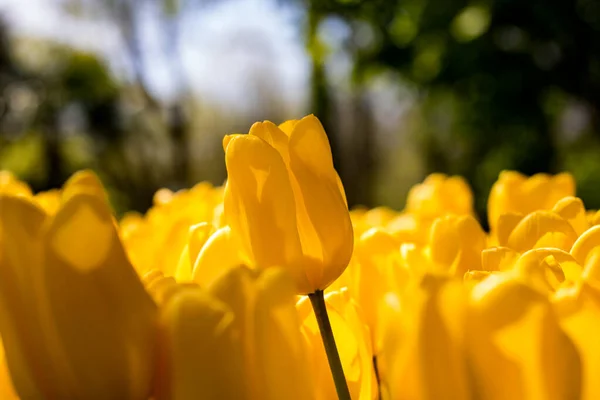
column 456, row 243
column 219, row 254
column 260, row 206
column 7, row 392
column 83, row 181
column 198, row 235
column 323, row 219
column 288, row 126
column 200, row 349
column 542, row 229
column 506, row 225
column 277, row 333
column 578, row 309
column 427, row 358
column 9, row 184
column 513, row 333
column 498, row 259
column 546, row 268
column 589, row 240
column 591, row 271
column 275, row 137
column 262, row 302
column 27, row 351
column 572, row 210
column 96, row 303
column 379, row 272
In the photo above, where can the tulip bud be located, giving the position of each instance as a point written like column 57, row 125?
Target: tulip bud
column 439, row 195
column 456, row 244
column 284, row 203
column 516, row 193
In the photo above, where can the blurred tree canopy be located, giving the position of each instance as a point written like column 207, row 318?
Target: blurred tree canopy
column 502, row 71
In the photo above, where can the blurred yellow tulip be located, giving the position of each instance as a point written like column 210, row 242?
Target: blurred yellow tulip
column 219, row 253
column 424, row 353
column 456, row 243
column 379, row 271
column 516, row 347
column 440, row 195
column 7, row 392
column 157, row 239
column 578, row 309
column 75, row 319
column 516, row 193
column 239, row 339
column 9, row 184
column 422, row 303
column 284, row 202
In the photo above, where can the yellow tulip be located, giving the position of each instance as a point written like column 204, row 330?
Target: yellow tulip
column 379, row 271
column 516, row 193
column 220, row 253
column 353, row 342
column 440, row 195
column 284, row 203
column 578, row 308
column 498, row 258
column 456, row 243
column 7, row 392
column 547, row 269
column 573, row 210
column 9, row 184
column 424, row 353
column 198, row 235
column 240, row 339
column 76, row 321
column 158, row 239
column 437, row 196
column 541, row 229
column 516, row 347
column 453, row 247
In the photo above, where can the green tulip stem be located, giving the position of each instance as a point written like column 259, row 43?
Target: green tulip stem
column 335, row 364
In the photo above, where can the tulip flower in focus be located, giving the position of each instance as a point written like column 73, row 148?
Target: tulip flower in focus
column 285, row 204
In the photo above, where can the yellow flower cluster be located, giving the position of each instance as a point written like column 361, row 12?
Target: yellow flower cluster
column 204, row 296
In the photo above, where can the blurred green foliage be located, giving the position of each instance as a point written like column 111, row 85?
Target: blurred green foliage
column 498, row 68
column 497, row 84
